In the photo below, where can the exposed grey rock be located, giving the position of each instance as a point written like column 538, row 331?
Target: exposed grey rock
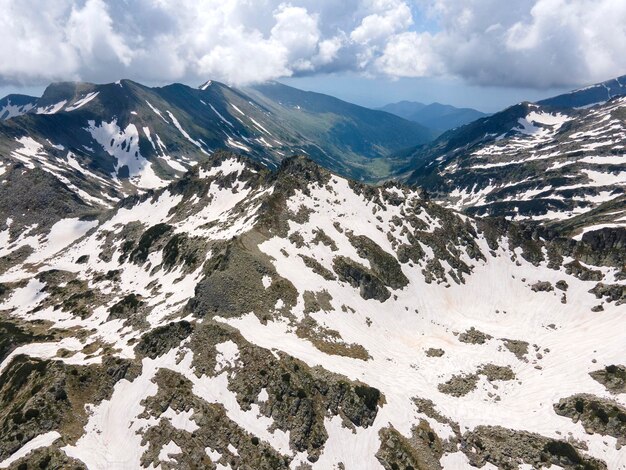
column 422, row 451
column 542, row 286
column 597, row 415
column 435, row 352
column 507, row 449
column 164, row 338
column 517, row 347
column 613, row 293
column 384, row 265
column 613, row 377
column 459, row 385
column 474, row 336
column 360, row 277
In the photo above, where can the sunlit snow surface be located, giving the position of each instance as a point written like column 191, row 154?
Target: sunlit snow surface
column 515, row 167
column 82, row 101
column 123, row 145
column 496, row 298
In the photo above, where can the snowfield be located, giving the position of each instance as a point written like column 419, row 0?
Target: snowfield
column 227, row 207
column 549, row 166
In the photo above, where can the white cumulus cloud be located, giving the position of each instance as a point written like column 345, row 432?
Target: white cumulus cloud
column 538, row 43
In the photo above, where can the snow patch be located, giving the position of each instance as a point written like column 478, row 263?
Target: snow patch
column 82, row 102
column 43, row 440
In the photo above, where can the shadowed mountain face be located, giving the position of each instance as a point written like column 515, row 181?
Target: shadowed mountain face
column 293, row 318
column 589, row 96
column 142, row 137
column 436, row 116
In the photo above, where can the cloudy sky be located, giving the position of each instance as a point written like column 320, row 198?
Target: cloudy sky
column 482, row 53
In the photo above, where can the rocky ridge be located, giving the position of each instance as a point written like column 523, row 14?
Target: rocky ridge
column 533, row 162
column 256, row 319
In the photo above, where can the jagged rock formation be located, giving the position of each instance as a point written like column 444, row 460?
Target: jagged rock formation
column 252, row 318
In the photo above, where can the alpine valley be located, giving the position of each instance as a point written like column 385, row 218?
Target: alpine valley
column 267, row 278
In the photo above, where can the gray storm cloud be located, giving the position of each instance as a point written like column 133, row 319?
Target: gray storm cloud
column 536, row 43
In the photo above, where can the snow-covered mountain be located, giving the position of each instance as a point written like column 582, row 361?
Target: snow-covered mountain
column 137, row 137
column 243, row 318
column 16, row 105
column 531, row 161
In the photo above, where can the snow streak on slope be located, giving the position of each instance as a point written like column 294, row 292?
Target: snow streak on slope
column 83, row 101
column 551, row 167
column 123, row 144
column 184, row 133
column 51, row 109
column 274, row 320
column 10, row 110
column 48, row 157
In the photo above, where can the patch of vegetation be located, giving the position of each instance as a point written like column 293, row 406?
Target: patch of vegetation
column 329, row 341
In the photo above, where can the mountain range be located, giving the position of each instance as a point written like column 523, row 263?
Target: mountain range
column 531, row 162
column 171, row 127
column 178, row 290
column 436, row 116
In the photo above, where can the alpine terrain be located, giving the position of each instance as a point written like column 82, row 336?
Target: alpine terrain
column 199, row 278
column 141, row 137
column 544, row 162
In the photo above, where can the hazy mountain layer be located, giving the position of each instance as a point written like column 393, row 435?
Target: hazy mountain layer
column 436, row 116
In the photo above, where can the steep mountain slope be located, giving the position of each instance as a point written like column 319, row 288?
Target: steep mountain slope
column 436, row 116
column 530, row 162
column 358, row 135
column 589, row 96
column 247, row 319
column 142, row 137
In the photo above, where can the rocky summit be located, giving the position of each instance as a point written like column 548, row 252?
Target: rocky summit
column 255, row 318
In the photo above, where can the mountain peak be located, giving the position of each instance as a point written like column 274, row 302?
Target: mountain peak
column 303, row 167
